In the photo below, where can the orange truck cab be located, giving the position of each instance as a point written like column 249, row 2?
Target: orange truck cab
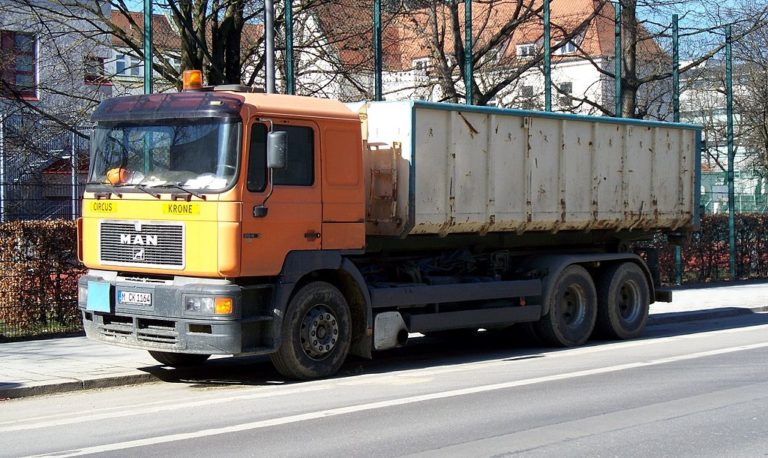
column 192, row 240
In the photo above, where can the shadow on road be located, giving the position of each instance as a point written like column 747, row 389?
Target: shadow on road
column 511, row 344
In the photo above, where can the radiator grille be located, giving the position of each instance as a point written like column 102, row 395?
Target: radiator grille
column 142, row 244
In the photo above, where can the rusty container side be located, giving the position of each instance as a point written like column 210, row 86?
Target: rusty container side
column 479, row 170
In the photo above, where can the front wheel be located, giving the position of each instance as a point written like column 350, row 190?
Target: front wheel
column 178, row 359
column 572, row 305
column 316, row 333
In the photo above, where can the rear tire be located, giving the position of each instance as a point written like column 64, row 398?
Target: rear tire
column 178, row 359
column 316, row 333
column 623, row 299
column 572, row 305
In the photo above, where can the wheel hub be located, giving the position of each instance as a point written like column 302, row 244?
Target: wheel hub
column 572, row 305
column 319, row 332
column 629, row 301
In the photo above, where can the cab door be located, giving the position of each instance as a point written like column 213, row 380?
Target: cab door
column 293, row 220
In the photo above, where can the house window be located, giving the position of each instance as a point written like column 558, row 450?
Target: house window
column 421, row 65
column 18, row 64
column 528, row 101
column 526, row 50
column 567, row 48
column 526, row 91
column 94, row 70
column 175, row 63
column 128, row 65
column 565, row 90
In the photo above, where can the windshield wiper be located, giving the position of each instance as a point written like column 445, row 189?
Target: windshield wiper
column 145, row 188
column 108, row 185
column 188, row 191
column 177, row 186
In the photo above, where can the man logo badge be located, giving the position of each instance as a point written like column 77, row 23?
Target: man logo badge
column 138, row 254
column 138, row 239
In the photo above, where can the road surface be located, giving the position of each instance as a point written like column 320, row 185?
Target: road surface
column 686, row 389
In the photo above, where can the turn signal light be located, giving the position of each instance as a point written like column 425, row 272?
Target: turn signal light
column 223, row 306
column 192, row 80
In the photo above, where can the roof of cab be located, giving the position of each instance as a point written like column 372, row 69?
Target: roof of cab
column 293, row 105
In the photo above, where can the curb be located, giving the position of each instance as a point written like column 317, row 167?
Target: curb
column 706, row 314
column 76, row 385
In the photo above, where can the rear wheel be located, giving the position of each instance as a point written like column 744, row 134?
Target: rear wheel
column 623, row 299
column 316, row 333
column 178, row 359
column 572, row 305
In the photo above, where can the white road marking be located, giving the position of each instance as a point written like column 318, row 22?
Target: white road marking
column 399, row 378
column 157, row 407
column 392, row 403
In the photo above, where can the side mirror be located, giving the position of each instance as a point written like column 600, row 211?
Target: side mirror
column 277, row 150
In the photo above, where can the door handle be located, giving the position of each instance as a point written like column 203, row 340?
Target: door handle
column 311, row 235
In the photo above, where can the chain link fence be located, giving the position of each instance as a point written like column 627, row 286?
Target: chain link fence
column 42, row 176
column 43, row 169
column 749, row 197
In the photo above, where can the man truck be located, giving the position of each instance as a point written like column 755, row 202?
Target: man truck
column 219, row 220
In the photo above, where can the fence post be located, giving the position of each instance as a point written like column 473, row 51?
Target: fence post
column 290, row 85
column 468, row 77
column 377, row 63
column 617, row 58
column 547, row 59
column 73, row 164
column 2, row 168
column 269, row 44
column 676, row 118
column 147, row 46
column 731, row 153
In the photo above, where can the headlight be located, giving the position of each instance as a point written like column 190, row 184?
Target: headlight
column 198, row 304
column 209, row 305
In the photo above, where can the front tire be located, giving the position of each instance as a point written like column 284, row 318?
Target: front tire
column 178, row 359
column 316, row 333
column 572, row 305
column 623, row 300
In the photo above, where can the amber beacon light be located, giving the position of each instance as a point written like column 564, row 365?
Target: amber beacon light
column 192, row 80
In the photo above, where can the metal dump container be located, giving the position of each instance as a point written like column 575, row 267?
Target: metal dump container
column 446, row 169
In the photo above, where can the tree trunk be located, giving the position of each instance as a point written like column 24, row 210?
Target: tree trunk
column 629, row 83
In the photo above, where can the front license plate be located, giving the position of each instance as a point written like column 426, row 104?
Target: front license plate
column 134, row 298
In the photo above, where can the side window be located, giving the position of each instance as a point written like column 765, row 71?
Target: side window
column 300, row 170
column 257, row 162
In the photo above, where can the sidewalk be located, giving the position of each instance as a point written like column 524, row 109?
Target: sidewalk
column 75, row 363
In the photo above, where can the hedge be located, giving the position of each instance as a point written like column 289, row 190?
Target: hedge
column 705, row 254
column 38, row 283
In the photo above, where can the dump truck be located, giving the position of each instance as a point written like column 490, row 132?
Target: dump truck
column 220, row 220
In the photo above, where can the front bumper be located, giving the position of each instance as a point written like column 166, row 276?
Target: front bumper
column 165, row 324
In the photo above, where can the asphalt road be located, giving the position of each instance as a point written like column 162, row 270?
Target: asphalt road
column 686, row 389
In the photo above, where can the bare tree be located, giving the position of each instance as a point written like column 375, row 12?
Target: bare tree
column 751, row 100
column 496, row 25
column 708, row 19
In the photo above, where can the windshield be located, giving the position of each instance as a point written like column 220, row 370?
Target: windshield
column 195, row 155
